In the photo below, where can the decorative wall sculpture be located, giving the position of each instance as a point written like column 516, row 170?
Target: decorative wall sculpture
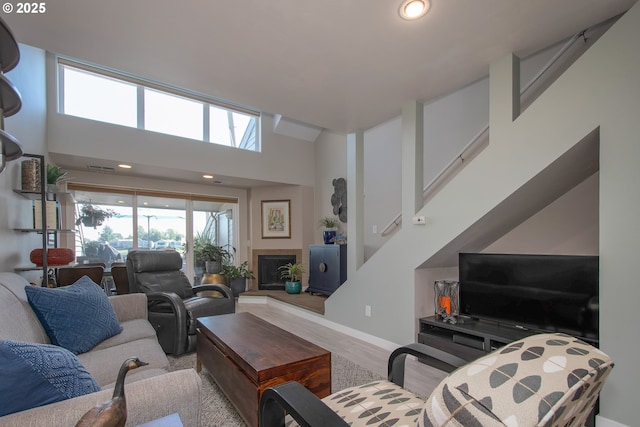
column 339, row 199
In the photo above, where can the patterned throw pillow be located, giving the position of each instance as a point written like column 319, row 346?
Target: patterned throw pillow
column 76, row 317
column 38, row 374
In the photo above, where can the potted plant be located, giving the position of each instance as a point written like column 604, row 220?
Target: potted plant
column 237, row 276
column 331, row 225
column 54, row 176
column 294, row 273
column 91, row 216
column 214, row 257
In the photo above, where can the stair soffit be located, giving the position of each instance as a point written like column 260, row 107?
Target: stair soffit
column 577, row 164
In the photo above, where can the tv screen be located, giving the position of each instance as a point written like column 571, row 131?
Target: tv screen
column 556, row 293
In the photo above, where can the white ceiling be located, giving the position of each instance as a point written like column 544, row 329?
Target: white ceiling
column 342, row 65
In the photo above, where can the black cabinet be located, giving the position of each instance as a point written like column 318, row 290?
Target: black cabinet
column 327, row 268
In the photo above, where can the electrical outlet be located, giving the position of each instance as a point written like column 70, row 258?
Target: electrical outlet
column 367, row 311
column 419, row 220
column 374, row 229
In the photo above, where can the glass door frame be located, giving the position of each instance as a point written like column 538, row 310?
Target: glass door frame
column 188, row 198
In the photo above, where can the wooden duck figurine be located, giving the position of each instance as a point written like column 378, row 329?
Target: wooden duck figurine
column 114, row 412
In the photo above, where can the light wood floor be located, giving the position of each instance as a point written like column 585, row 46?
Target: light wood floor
column 419, row 378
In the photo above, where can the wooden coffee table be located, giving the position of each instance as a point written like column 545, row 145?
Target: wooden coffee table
column 245, row 355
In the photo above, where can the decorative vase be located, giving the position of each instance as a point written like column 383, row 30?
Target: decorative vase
column 293, row 287
column 213, row 267
column 447, row 299
column 238, row 285
column 329, row 237
column 31, row 175
column 55, row 256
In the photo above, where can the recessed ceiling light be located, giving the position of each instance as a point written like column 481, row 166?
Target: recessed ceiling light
column 207, row 176
column 124, row 166
column 414, row 9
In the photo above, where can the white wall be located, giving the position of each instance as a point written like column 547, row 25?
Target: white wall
column 600, row 91
column 29, row 127
column 450, row 122
column 301, row 210
column 567, row 226
column 282, row 159
column 331, row 163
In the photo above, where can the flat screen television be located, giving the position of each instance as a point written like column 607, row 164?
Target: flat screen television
column 554, row 293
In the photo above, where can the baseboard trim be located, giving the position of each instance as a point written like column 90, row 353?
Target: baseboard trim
column 319, row 319
column 606, row 422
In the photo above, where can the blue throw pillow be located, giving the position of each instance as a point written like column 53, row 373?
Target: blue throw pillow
column 77, row 317
column 38, row 374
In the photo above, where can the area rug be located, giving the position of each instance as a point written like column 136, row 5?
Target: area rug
column 217, row 411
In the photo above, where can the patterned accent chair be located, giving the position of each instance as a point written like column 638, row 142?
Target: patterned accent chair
column 542, row 380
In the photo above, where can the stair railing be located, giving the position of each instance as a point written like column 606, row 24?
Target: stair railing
column 481, row 136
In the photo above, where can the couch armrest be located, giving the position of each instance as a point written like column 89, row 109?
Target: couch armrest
column 147, row 399
column 300, row 403
column 129, row 306
column 427, row 355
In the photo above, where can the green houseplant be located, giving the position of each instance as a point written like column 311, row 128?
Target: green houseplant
column 214, row 256
column 237, row 276
column 294, row 273
column 330, row 225
column 54, row 176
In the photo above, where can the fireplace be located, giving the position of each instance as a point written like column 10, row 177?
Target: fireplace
column 269, row 273
column 266, row 263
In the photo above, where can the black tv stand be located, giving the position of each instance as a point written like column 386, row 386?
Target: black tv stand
column 469, row 338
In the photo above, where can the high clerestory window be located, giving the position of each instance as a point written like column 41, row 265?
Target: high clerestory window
column 109, row 96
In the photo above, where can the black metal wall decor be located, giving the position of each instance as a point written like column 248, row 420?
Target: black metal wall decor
column 339, row 199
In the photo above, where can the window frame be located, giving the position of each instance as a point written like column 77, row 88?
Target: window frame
column 142, row 84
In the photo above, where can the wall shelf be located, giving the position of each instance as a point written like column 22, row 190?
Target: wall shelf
column 9, row 50
column 10, row 100
column 49, row 230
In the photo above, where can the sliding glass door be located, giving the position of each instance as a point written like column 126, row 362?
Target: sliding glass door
column 212, row 222
column 151, row 222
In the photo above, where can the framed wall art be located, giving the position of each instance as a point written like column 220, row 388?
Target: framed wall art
column 276, row 219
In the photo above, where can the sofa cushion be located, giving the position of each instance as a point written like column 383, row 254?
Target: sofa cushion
column 105, row 363
column 19, row 322
column 38, row 374
column 76, row 317
column 132, row 330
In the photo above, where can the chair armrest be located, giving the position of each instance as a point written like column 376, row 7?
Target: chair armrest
column 300, row 403
column 224, row 290
column 428, row 355
column 147, row 399
column 129, row 307
column 180, row 317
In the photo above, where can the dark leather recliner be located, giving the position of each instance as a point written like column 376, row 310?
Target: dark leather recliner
column 174, row 304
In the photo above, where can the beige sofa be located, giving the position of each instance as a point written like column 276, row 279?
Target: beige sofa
column 152, row 391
